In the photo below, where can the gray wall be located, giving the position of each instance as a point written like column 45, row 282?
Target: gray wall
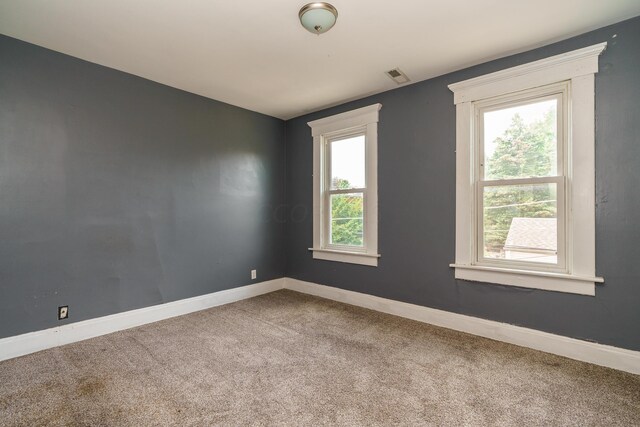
column 417, row 203
column 119, row 193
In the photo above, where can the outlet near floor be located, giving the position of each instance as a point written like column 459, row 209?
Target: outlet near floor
column 63, row 312
column 254, row 274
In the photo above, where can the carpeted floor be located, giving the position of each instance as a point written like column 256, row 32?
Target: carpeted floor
column 290, row 359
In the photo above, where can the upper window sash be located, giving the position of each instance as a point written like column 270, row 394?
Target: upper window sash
column 328, row 140
column 559, row 92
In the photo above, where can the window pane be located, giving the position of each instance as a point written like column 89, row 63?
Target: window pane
column 521, row 141
column 347, row 222
column 347, row 163
column 520, row 223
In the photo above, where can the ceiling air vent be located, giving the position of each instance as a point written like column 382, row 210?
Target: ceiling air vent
column 397, row 76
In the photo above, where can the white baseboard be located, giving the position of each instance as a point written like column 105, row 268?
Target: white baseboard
column 31, row 342
column 598, row 354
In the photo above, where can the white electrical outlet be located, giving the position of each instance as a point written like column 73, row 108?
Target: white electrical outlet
column 63, row 312
column 254, row 274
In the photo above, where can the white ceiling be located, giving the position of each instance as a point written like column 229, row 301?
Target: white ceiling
column 255, row 54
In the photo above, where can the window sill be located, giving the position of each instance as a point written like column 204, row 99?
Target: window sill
column 345, row 256
column 558, row 282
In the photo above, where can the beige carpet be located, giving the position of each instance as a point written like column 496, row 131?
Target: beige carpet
column 291, row 359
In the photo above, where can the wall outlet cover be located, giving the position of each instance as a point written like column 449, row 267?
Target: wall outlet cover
column 63, row 312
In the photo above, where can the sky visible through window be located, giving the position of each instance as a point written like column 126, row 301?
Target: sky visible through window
column 347, row 160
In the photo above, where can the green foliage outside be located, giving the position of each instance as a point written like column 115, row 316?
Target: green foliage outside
column 346, row 216
column 524, row 150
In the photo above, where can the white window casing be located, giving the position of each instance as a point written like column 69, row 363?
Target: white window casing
column 363, row 121
column 575, row 272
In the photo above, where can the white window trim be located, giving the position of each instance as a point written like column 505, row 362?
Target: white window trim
column 579, row 68
column 365, row 119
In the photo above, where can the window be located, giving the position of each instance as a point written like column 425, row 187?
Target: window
column 345, row 195
column 521, row 182
column 525, row 175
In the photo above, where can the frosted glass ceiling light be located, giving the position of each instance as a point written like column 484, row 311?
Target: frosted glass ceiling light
column 318, row 17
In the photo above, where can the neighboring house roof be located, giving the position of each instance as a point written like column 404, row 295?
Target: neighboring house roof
column 539, row 234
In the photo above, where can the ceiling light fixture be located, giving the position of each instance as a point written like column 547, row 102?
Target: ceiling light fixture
column 318, row 17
